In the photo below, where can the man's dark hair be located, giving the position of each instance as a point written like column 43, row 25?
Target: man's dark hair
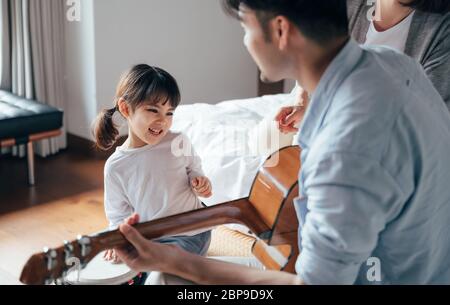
column 430, row 6
column 319, row 20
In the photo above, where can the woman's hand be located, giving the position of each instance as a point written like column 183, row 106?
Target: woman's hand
column 201, row 186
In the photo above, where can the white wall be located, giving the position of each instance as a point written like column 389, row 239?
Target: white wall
column 289, row 85
column 192, row 39
column 80, row 72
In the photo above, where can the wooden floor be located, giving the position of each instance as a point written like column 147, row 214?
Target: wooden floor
column 66, row 201
column 67, row 174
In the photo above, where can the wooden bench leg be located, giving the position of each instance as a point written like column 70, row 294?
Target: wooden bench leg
column 30, row 151
column 30, row 157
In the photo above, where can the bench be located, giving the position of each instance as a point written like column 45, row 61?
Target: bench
column 24, row 121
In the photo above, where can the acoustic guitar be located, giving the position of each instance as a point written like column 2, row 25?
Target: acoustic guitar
column 268, row 212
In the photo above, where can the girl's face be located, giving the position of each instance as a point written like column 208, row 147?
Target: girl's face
column 150, row 123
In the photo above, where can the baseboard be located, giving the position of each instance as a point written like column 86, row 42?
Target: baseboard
column 88, row 148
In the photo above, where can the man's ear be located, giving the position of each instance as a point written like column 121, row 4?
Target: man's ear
column 123, row 108
column 283, row 29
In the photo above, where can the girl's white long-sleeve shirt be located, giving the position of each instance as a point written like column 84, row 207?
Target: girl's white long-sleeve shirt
column 153, row 181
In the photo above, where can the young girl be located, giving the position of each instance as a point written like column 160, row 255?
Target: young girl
column 146, row 175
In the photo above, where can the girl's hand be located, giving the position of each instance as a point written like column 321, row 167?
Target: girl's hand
column 111, row 256
column 201, row 186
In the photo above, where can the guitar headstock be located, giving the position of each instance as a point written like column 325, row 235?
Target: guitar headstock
column 53, row 265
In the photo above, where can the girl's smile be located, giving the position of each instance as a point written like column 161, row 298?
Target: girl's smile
column 155, row 132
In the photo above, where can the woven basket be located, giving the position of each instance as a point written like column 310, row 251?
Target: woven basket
column 229, row 242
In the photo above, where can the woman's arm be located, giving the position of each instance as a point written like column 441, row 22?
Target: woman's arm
column 437, row 62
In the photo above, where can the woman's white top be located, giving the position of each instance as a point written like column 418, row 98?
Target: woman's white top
column 394, row 37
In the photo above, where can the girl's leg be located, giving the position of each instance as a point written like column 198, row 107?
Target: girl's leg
column 198, row 244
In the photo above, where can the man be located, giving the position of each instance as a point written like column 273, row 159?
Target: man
column 375, row 162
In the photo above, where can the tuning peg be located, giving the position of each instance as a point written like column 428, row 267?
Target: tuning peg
column 68, row 250
column 85, row 245
column 49, row 281
column 61, row 281
column 50, row 257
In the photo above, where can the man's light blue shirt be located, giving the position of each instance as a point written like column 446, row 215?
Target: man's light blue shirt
column 374, row 204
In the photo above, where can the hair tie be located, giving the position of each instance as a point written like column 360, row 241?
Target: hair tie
column 111, row 111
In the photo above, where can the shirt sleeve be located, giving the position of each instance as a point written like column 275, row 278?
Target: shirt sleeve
column 117, row 207
column 193, row 161
column 437, row 64
column 350, row 199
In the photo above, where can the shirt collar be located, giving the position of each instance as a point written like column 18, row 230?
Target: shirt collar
column 338, row 70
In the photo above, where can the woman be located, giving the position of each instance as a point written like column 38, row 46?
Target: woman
column 418, row 28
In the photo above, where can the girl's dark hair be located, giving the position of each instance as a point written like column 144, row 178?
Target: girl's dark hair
column 320, row 20
column 429, row 6
column 142, row 84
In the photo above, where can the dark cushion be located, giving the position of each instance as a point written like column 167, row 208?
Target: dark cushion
column 20, row 117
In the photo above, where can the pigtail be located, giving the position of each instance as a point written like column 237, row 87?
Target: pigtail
column 105, row 131
column 141, row 84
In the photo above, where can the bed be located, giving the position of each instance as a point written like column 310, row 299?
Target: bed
column 226, row 137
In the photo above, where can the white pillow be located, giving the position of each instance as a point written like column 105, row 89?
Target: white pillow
column 266, row 138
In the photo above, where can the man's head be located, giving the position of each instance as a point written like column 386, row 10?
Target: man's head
column 275, row 28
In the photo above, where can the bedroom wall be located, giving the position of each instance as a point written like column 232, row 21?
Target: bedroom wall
column 289, row 85
column 80, row 72
column 193, row 39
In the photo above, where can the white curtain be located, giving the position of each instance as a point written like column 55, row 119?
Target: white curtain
column 36, row 29
column 5, row 52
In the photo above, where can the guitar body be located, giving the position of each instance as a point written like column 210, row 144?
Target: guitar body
column 273, row 194
column 268, row 212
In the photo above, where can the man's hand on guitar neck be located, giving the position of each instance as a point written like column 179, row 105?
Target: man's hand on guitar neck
column 146, row 255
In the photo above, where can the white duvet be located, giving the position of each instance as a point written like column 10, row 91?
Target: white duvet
column 224, row 135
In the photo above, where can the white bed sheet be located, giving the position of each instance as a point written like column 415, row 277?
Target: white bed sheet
column 221, row 134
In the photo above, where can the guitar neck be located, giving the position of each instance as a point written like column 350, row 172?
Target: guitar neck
column 239, row 212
